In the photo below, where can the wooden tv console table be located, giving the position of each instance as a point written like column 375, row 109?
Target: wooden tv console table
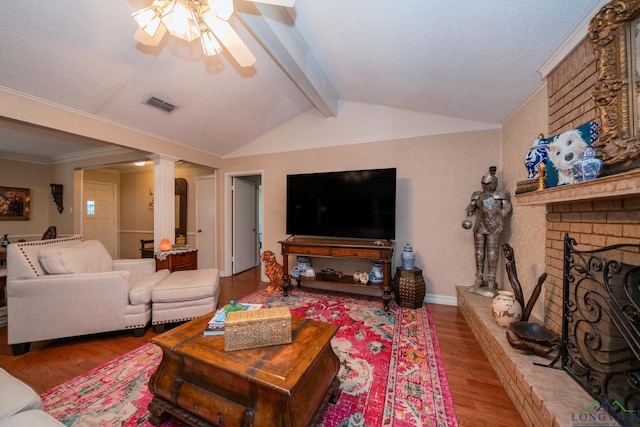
column 380, row 251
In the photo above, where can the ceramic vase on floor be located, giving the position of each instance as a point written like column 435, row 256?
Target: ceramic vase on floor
column 506, row 309
column 408, row 257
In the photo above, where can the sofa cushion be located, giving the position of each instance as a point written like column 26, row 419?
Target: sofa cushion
column 186, row 285
column 16, row 396
column 85, row 257
column 141, row 286
column 31, row 419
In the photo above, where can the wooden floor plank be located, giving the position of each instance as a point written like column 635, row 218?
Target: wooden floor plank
column 478, row 396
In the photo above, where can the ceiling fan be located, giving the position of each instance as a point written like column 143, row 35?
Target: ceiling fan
column 192, row 19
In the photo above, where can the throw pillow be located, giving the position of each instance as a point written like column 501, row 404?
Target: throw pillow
column 85, row 257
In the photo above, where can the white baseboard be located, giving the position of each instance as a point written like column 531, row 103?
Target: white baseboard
column 441, row 299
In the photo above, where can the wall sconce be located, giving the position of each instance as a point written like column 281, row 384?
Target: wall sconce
column 56, row 192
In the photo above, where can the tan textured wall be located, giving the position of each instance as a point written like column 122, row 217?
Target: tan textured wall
column 37, row 179
column 136, row 219
column 527, row 225
column 436, row 177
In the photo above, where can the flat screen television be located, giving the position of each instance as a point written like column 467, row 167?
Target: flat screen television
column 349, row 204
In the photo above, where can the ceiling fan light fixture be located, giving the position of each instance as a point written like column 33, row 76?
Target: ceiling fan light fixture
column 210, row 44
column 142, row 37
column 180, row 20
column 192, row 19
column 145, row 16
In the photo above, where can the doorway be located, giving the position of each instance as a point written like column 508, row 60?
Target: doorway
column 244, row 221
column 99, row 214
column 206, row 221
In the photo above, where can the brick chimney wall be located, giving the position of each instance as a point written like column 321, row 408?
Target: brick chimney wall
column 592, row 223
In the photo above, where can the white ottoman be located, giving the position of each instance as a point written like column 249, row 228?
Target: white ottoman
column 184, row 295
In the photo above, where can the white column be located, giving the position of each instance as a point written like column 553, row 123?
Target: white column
column 164, row 218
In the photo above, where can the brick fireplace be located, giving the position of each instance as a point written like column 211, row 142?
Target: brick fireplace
column 601, row 213
column 598, row 213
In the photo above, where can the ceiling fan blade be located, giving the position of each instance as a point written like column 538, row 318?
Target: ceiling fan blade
column 285, row 3
column 224, row 9
column 230, row 39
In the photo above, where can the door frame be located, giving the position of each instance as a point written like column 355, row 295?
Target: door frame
column 228, row 215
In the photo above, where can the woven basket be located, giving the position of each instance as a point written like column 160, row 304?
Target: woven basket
column 257, row 328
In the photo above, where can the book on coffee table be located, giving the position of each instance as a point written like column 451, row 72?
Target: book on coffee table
column 216, row 324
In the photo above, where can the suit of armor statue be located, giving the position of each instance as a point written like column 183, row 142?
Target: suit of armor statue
column 491, row 208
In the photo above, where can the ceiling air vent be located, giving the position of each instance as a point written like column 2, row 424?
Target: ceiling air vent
column 154, row 101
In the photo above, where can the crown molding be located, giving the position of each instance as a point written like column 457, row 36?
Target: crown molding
column 573, row 39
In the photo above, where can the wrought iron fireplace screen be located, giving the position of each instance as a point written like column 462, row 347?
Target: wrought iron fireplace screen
column 601, row 325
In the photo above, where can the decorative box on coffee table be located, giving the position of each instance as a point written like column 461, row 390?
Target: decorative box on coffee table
column 409, row 287
column 257, row 328
column 286, row 385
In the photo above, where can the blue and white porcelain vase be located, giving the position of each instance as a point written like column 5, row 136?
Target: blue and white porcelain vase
column 587, row 167
column 376, row 276
column 408, row 257
column 300, row 270
column 537, row 154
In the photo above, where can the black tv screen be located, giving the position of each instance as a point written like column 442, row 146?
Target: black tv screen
column 352, row 204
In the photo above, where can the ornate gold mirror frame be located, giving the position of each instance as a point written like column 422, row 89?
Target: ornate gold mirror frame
column 614, row 42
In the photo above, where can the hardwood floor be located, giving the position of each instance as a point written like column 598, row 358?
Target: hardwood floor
column 478, row 396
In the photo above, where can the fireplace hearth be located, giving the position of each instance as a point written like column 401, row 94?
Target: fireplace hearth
column 601, row 326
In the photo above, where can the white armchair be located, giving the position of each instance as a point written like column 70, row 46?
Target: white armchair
column 68, row 287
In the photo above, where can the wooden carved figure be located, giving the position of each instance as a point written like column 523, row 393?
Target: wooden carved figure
column 273, row 270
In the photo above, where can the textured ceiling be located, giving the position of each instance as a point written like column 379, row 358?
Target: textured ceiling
column 469, row 59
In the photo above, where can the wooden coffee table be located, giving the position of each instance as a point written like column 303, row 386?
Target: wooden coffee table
column 284, row 385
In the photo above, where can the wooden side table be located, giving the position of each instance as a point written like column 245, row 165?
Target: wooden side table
column 178, row 260
column 409, row 287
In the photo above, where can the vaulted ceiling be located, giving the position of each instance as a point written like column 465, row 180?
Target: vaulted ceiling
column 476, row 60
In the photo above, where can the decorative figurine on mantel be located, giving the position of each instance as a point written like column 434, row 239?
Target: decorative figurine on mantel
column 542, row 177
column 273, row 270
column 491, row 207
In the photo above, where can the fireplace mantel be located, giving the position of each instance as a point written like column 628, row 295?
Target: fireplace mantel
column 605, row 187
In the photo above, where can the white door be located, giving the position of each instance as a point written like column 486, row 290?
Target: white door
column 98, row 216
column 206, row 221
column 245, row 224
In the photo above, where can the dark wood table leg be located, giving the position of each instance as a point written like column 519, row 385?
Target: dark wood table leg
column 157, row 413
column 386, row 285
column 286, row 284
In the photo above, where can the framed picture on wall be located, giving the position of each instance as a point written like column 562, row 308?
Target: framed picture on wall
column 14, row 203
column 563, row 151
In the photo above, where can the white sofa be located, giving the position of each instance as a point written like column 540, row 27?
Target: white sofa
column 20, row 406
column 68, row 287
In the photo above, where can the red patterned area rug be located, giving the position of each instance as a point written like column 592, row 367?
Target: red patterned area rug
column 391, row 370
